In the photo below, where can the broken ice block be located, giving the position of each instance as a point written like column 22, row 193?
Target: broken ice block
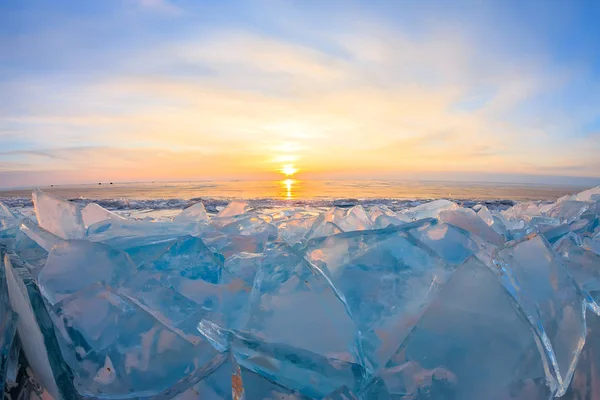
column 256, row 386
column 244, row 266
column 292, row 231
column 485, row 215
column 386, row 278
column 466, row 219
column 281, row 308
column 568, row 211
column 430, row 209
column 525, row 210
column 586, row 379
column 383, row 221
column 310, row 374
column 250, row 226
column 234, row 208
column 584, row 267
column 58, row 216
column 472, row 343
column 8, row 324
column 42, row 237
column 355, row 219
column 75, row 264
column 546, row 293
column 217, row 385
column 36, row 332
column 117, row 350
column 93, row 213
column 592, row 194
column 452, row 245
column 195, row 213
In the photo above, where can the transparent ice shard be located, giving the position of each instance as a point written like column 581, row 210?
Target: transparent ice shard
column 117, row 350
column 452, row 245
column 592, row 194
column 93, row 213
column 256, row 386
column 251, row 226
column 466, row 219
column 592, row 244
column 8, row 325
column 310, row 374
column 541, row 285
column 525, row 210
column 383, row 221
column 568, row 211
column 280, row 309
column 376, row 211
column 234, row 208
column 58, row 216
column 292, row 231
column 42, row 237
column 36, row 332
column 75, row 264
column 584, row 267
column 586, row 379
column 485, row 215
column 355, row 219
column 244, row 266
column 430, row 209
column 471, row 343
column 385, row 277
column 217, row 385
column 194, row 213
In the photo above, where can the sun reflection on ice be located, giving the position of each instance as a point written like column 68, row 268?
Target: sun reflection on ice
column 288, row 183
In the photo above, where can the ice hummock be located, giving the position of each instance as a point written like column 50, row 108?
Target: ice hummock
column 437, row 301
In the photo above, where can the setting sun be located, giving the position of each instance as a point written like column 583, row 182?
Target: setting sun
column 289, row 170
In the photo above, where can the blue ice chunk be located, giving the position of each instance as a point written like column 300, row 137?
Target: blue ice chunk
column 311, row 374
column 452, row 245
column 292, row 231
column 586, row 379
column 355, row 219
column 250, row 226
column 58, row 216
column 467, row 220
column 244, row 266
column 42, row 237
column 386, row 278
column 545, row 291
column 194, row 213
column 256, row 386
column 281, row 309
column 429, row 210
column 233, row 208
column 75, row 264
column 568, row 211
column 584, row 267
column 8, row 324
column 118, row 350
column 217, row 385
column 384, row 220
column 472, row 343
column 228, row 245
column 36, row 332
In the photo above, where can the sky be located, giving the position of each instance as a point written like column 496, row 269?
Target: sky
column 144, row 90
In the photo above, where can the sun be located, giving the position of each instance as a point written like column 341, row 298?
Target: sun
column 288, row 170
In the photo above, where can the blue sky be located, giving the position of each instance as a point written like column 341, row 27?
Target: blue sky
column 174, row 90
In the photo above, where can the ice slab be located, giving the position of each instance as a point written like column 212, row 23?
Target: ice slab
column 118, row 350
column 93, row 213
column 8, row 325
column 385, row 277
column 472, row 342
column 429, row 210
column 586, row 379
column 75, row 264
column 36, row 331
column 545, row 291
column 58, row 216
column 194, row 213
column 233, row 208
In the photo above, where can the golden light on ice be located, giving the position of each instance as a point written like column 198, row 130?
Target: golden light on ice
column 289, row 170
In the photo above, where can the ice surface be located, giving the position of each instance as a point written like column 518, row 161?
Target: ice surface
column 260, row 301
column 61, row 217
column 8, row 325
